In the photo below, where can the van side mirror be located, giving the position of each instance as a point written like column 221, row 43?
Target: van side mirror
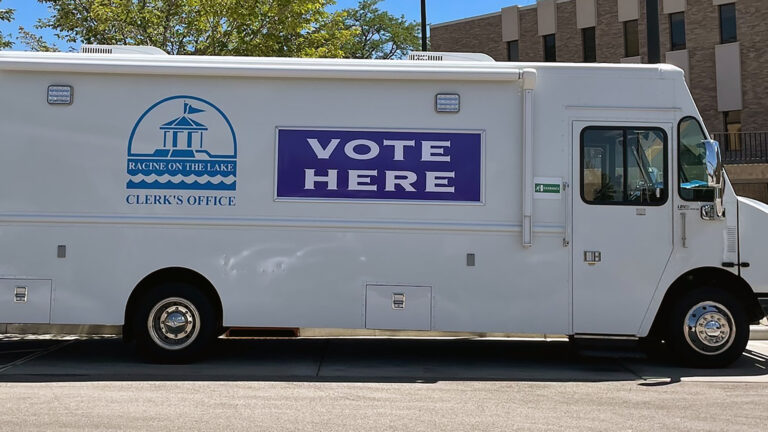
column 714, row 166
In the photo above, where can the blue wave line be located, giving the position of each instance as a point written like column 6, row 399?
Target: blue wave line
column 185, row 173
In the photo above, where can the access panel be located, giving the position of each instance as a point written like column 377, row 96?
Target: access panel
column 398, row 307
column 25, row 301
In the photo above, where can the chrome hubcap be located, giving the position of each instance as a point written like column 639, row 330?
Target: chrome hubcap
column 173, row 323
column 709, row 328
column 713, row 329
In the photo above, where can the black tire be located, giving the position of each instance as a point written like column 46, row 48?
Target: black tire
column 174, row 323
column 707, row 327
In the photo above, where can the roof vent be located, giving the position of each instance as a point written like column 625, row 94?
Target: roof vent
column 422, row 56
column 121, row 49
column 449, row 56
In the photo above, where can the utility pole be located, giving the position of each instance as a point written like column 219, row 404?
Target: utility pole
column 652, row 17
column 423, row 25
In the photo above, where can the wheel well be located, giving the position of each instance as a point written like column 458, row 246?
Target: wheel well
column 696, row 278
column 170, row 274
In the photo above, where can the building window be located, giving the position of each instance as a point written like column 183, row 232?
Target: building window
column 728, row 23
column 732, row 129
column 550, row 52
column 513, row 51
column 677, row 31
column 588, row 44
column 631, row 39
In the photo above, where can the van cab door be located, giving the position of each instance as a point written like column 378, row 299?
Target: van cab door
column 622, row 222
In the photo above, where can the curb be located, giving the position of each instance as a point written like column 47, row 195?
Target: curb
column 758, row 332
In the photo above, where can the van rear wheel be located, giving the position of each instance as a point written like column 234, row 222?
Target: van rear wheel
column 174, row 323
column 707, row 328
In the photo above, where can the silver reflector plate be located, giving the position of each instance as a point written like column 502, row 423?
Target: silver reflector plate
column 448, row 103
column 59, row 94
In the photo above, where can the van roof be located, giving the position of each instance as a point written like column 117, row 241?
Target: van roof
column 283, row 67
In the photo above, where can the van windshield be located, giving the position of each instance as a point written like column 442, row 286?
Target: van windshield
column 693, row 170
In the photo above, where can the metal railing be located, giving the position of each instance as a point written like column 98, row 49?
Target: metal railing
column 743, row 147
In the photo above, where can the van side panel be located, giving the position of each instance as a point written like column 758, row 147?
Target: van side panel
column 274, row 263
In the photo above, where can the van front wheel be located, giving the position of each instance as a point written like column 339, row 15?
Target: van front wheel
column 707, row 328
column 174, row 323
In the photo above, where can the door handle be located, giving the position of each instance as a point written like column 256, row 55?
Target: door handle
column 683, row 229
column 567, row 233
column 592, row 257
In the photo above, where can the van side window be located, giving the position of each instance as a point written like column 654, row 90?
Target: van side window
column 623, row 165
column 693, row 171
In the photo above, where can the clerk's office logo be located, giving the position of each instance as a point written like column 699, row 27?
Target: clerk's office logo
column 182, row 143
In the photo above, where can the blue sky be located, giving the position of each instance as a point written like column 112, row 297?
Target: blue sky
column 28, row 11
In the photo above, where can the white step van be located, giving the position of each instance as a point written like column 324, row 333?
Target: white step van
column 182, row 196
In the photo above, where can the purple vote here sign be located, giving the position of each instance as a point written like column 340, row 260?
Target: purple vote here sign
column 379, row 165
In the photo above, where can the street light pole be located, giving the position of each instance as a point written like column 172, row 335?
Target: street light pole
column 423, row 25
column 652, row 17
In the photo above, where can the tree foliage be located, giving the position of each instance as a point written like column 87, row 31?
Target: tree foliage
column 294, row 28
column 34, row 42
column 297, row 28
column 7, row 16
column 379, row 34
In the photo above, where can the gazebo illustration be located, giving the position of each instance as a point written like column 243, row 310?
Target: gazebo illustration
column 182, row 135
column 182, row 153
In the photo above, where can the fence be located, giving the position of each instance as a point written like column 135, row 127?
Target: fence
column 743, row 147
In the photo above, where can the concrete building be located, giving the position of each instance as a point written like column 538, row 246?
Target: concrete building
column 722, row 45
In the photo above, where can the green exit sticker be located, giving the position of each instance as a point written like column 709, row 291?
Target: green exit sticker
column 547, row 188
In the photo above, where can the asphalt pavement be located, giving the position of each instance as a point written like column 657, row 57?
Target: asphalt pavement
column 354, row 384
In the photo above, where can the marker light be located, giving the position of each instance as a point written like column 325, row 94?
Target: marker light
column 448, row 103
column 59, row 95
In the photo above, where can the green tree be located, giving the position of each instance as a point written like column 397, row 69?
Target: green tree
column 34, row 42
column 379, row 34
column 7, row 16
column 298, row 28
